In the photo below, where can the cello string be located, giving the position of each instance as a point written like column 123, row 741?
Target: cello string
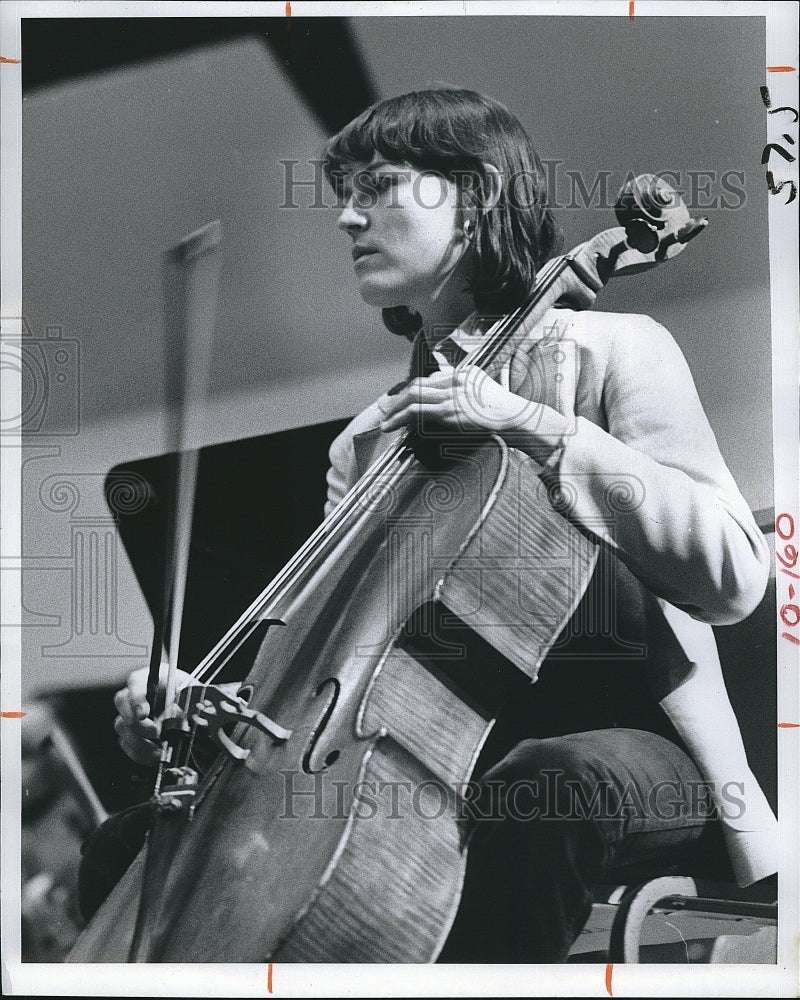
column 189, row 754
column 502, row 331
column 299, row 563
column 327, row 535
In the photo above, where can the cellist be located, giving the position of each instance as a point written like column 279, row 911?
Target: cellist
column 626, row 748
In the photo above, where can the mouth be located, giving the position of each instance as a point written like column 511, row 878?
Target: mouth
column 359, row 252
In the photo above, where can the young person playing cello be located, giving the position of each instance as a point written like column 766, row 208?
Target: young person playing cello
column 445, row 215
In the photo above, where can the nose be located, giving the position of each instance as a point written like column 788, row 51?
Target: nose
column 352, row 217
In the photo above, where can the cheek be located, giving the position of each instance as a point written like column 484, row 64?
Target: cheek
column 431, row 241
column 431, row 194
column 427, row 217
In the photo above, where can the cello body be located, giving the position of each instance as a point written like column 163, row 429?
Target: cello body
column 346, row 843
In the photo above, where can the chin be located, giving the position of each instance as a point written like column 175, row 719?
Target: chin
column 382, row 298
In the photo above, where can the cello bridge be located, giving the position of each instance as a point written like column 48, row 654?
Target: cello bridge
column 177, row 790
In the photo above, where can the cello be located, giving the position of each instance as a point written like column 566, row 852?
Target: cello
column 291, row 843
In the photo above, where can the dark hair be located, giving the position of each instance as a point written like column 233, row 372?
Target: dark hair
column 454, row 132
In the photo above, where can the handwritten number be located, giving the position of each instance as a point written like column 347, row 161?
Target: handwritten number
column 789, row 613
column 777, row 188
column 767, row 101
column 791, row 111
column 778, row 149
column 768, row 149
column 790, row 610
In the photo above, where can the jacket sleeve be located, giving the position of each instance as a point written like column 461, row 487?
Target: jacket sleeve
column 655, row 484
column 342, row 472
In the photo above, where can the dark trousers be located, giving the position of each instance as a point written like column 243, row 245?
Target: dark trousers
column 553, row 817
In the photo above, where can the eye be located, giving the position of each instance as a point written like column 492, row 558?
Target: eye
column 341, row 184
column 368, row 188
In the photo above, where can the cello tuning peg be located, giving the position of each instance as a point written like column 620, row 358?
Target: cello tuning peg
column 691, row 229
column 641, row 235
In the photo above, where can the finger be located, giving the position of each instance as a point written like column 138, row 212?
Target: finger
column 143, row 729
column 138, row 746
column 439, row 412
column 139, row 751
column 139, row 707
column 137, row 682
column 441, row 381
column 442, row 376
column 426, row 395
column 420, row 389
column 129, row 707
column 438, row 377
column 148, row 729
column 406, row 415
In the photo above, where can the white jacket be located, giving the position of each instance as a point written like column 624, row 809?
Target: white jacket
column 689, row 536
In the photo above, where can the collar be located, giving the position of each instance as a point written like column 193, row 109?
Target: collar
column 461, row 342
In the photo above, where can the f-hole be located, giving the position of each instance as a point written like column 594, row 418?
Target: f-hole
column 333, row 755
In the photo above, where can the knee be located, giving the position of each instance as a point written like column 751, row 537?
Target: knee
column 537, row 780
column 533, row 759
column 107, row 853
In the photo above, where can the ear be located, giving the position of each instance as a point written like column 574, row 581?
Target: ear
column 494, row 186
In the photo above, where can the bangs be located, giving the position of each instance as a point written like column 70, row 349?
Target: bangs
column 418, row 129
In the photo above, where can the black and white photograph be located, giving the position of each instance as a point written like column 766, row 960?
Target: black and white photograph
column 400, row 512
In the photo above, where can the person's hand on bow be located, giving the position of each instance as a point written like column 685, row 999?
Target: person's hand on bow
column 137, row 734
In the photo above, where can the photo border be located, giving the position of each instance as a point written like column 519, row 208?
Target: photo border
column 407, row 980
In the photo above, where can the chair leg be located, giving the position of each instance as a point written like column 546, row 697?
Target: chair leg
column 626, row 930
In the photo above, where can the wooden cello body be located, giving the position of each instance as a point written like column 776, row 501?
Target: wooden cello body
column 336, row 832
column 345, row 843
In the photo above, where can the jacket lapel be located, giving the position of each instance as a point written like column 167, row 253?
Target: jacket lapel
column 370, row 443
